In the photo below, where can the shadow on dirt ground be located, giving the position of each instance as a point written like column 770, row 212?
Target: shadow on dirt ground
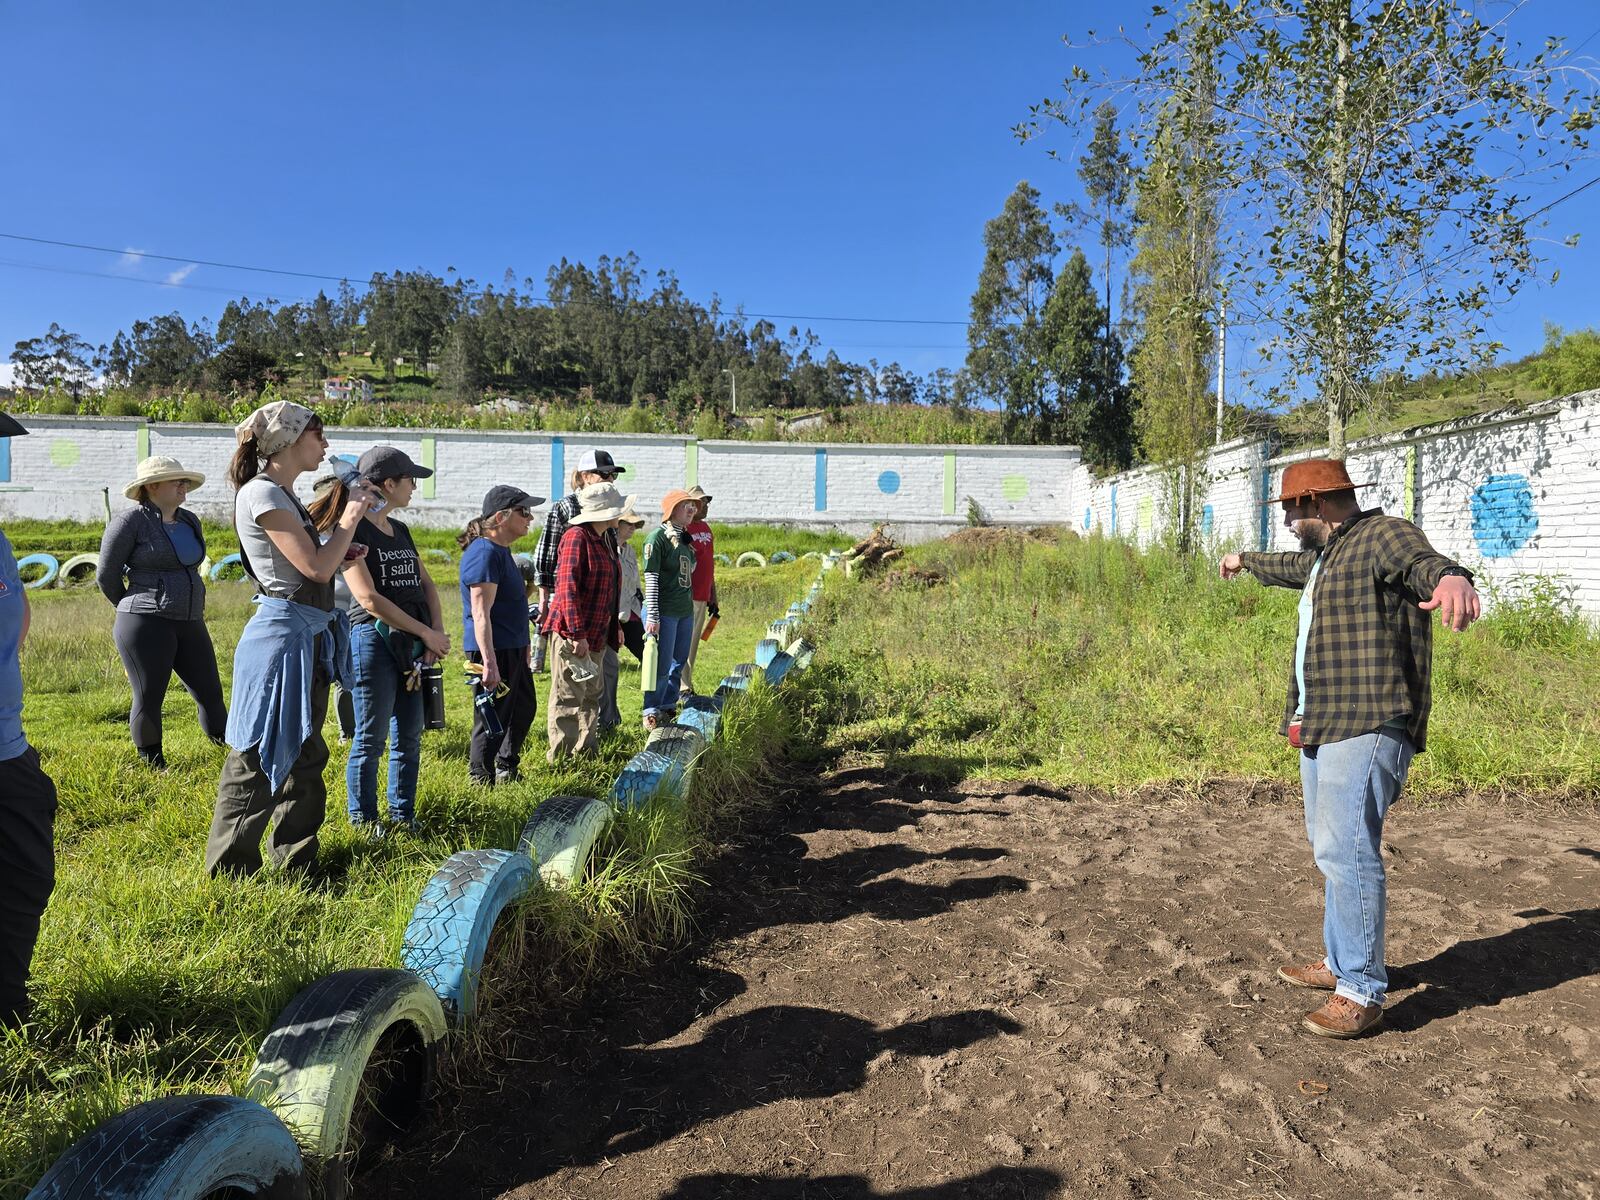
column 911, row 991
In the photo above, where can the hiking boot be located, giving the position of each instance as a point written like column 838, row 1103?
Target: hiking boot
column 403, row 828
column 507, row 775
column 1312, row 975
column 1342, row 1017
column 152, row 757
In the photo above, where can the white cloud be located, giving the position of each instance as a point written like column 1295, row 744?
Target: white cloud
column 182, row 273
column 129, row 261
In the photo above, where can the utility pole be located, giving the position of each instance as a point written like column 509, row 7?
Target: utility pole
column 733, row 381
column 1222, row 363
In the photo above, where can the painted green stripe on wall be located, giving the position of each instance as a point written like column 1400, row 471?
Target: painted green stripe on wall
column 949, row 483
column 430, row 485
column 1410, row 506
column 691, row 463
column 142, row 442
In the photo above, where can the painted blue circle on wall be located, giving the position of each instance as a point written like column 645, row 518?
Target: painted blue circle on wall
column 1088, row 518
column 1503, row 516
column 889, row 482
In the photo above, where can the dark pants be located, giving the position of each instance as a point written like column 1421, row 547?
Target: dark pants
column 295, row 810
column 345, row 705
column 516, row 710
column 633, row 636
column 27, row 874
column 152, row 649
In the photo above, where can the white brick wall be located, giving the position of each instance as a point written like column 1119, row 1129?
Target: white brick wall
column 1508, row 493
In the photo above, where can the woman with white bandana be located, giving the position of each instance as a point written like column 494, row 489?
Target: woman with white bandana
column 292, row 648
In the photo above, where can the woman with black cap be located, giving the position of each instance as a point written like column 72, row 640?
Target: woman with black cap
column 149, row 569
column 494, row 613
column 27, row 799
column 395, row 626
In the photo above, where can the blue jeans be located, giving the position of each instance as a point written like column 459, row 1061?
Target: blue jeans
column 1349, row 786
column 384, row 711
column 673, row 649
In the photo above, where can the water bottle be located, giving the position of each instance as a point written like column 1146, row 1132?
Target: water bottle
column 483, row 698
column 433, row 697
column 352, row 479
column 711, row 623
column 649, row 666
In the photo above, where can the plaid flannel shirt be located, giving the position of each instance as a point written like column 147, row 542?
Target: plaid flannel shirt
column 1369, row 654
column 548, row 549
column 583, row 606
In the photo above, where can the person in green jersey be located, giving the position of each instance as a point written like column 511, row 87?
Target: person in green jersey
column 668, row 576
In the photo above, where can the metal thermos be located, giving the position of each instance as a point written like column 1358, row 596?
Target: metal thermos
column 484, row 699
column 433, row 697
column 649, row 665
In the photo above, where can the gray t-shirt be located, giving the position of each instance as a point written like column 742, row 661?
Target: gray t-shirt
column 274, row 573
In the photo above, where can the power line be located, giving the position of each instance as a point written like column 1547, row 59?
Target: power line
column 203, row 262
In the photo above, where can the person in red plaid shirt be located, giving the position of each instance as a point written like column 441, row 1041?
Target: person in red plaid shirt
column 581, row 620
column 1357, row 709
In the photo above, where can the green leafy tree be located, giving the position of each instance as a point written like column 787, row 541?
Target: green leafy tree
column 1376, row 155
column 1086, row 401
column 1004, row 339
column 464, row 371
column 57, row 357
column 1175, row 288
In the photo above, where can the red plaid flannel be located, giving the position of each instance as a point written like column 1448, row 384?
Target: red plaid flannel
column 584, row 605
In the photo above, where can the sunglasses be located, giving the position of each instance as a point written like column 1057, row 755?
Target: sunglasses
column 523, row 511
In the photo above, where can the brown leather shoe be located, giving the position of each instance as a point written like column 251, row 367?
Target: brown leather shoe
column 1342, row 1017
column 1312, row 975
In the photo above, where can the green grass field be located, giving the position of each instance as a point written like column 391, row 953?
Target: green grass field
column 1084, row 662
column 152, row 978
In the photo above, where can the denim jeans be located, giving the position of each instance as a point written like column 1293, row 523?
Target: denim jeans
column 385, row 711
column 1349, row 786
column 673, row 651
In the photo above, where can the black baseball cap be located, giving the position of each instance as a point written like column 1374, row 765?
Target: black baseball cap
column 389, row 462
column 599, row 461
column 503, row 496
column 10, row 426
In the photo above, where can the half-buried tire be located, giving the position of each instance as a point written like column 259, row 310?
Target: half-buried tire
column 180, row 1148
column 52, row 568
column 369, row 1033
column 80, row 568
column 560, row 836
column 750, row 558
column 449, row 932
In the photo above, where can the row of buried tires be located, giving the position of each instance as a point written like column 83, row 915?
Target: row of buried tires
column 375, row 1033
column 44, row 570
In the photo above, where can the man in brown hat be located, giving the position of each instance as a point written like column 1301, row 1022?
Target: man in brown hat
column 1357, row 709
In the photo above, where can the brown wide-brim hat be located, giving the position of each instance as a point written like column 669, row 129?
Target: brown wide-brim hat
column 1314, row 477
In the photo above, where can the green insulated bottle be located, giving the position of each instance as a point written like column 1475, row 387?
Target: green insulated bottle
column 648, row 668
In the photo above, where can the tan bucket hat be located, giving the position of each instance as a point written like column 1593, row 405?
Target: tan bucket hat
column 599, row 502
column 158, row 468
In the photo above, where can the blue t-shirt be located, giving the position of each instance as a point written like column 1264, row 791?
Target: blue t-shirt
column 184, row 541
column 12, row 740
column 486, row 562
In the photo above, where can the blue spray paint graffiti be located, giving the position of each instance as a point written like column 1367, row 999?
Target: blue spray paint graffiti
column 1088, row 517
column 1206, row 519
column 1503, row 517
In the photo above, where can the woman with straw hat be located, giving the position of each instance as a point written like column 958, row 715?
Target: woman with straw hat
column 582, row 621
column 149, row 569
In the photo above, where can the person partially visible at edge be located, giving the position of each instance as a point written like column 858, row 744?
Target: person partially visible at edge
column 1357, row 708
column 705, row 581
column 669, row 601
column 292, row 648
column 595, row 466
column 582, row 621
column 630, row 596
column 149, row 569
column 494, row 614
column 27, row 799
column 396, row 625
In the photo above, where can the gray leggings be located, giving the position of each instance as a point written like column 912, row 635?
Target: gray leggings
column 152, row 648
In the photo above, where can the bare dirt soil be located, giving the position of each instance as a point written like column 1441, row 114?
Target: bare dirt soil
column 1016, row 991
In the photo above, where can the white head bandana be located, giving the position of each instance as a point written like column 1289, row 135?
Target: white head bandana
column 274, row 426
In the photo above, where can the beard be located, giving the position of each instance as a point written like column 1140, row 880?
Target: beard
column 1313, row 534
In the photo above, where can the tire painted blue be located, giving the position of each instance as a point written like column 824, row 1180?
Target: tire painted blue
column 180, row 1148
column 704, row 721
column 778, row 668
column 560, row 837
column 52, row 568
column 781, row 556
column 766, row 650
column 743, row 671
column 678, row 742
column 231, row 560
column 649, row 773
column 801, row 651
column 722, row 559
column 449, row 930
column 733, row 684
column 437, row 555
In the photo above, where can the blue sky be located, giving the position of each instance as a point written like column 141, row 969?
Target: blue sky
column 812, row 161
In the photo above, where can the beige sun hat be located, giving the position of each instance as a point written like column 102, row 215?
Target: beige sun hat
column 158, row 468
column 599, row 502
column 629, row 517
